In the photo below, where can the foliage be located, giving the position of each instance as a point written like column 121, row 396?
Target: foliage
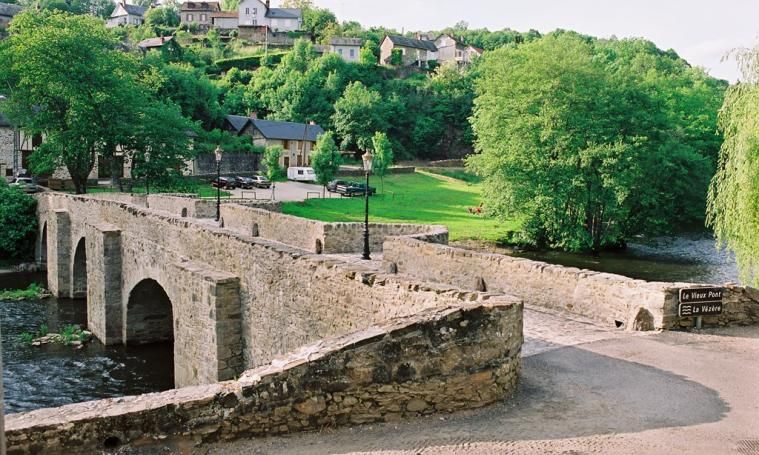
column 733, row 209
column 358, row 114
column 396, row 57
column 383, row 156
column 32, row 292
column 247, row 62
column 163, row 16
column 370, row 53
column 413, row 198
column 320, row 23
column 18, row 223
column 325, row 159
column 575, row 139
column 274, row 171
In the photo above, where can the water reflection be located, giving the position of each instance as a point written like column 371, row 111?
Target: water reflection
column 54, row 375
column 690, row 258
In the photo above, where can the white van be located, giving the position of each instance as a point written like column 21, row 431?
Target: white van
column 301, row 174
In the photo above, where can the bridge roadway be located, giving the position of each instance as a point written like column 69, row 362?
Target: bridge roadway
column 584, row 389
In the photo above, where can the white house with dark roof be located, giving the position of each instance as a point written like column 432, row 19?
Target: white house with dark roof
column 256, row 13
column 449, row 49
column 347, row 48
column 415, row 51
column 297, row 139
column 126, row 14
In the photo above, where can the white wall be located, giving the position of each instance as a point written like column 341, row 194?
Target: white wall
column 252, row 12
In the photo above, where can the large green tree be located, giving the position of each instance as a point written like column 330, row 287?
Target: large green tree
column 18, row 223
column 576, row 143
column 734, row 193
column 69, row 82
column 359, row 113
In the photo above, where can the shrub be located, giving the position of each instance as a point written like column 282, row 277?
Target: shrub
column 18, row 223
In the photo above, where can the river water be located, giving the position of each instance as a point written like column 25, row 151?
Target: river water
column 54, row 375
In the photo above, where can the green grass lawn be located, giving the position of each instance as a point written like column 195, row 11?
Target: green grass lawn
column 413, row 198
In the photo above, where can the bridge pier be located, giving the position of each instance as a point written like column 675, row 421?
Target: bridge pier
column 104, row 304
column 59, row 253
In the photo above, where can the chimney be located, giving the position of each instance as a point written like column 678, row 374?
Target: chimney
column 268, row 4
column 253, row 114
column 312, row 123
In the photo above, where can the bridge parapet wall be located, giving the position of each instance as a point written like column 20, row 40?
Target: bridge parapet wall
column 318, row 236
column 638, row 304
column 440, row 360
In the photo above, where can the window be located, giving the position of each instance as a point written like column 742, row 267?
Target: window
column 340, row 51
column 255, row 11
column 203, row 18
column 353, row 53
column 286, row 146
column 189, row 18
column 247, row 11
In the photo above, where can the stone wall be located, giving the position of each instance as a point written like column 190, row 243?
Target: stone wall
column 440, row 360
column 233, row 163
column 6, row 151
column 317, row 236
column 613, row 299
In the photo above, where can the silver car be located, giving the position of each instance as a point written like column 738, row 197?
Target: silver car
column 25, row 184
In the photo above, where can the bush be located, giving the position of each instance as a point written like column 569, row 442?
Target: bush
column 250, row 62
column 18, row 223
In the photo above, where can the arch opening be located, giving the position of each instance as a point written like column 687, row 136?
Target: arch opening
column 42, row 258
column 79, row 278
column 149, row 315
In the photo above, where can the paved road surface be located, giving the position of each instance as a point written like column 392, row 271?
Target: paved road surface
column 584, row 389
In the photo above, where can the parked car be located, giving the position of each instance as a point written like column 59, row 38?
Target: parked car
column 25, row 184
column 349, row 189
column 301, row 174
column 244, row 182
column 259, row 181
column 225, row 183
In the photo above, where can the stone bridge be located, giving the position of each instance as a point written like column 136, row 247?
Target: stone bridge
column 229, row 299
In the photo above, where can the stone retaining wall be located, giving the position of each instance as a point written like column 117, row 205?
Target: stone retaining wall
column 440, row 360
column 318, row 236
column 613, row 299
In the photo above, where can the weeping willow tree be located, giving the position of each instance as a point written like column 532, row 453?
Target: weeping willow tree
column 733, row 206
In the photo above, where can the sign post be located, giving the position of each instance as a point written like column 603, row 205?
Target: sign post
column 699, row 302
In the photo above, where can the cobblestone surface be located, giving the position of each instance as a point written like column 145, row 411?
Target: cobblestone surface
column 585, row 389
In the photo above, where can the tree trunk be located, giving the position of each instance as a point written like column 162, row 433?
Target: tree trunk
column 80, row 185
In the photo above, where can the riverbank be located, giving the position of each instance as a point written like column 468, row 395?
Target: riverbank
column 22, row 275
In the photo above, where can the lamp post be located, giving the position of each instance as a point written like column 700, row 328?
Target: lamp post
column 217, row 152
column 147, row 173
column 367, row 158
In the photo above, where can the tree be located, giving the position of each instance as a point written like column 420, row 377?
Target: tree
column 383, row 156
column 302, row 4
column 163, row 16
column 319, row 23
column 272, row 155
column 580, row 147
column 369, row 54
column 69, row 82
column 18, row 223
column 733, row 209
column 396, row 57
column 325, row 159
column 358, row 113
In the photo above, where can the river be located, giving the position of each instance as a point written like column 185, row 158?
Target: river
column 54, row 375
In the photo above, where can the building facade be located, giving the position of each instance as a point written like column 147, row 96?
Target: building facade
column 126, row 14
column 198, row 13
column 259, row 13
column 449, row 49
column 296, row 139
column 414, row 51
column 347, row 48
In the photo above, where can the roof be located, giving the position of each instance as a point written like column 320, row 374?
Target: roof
column 347, row 42
column 272, row 129
column 284, row 13
column 154, row 42
column 231, row 14
column 9, row 10
column 200, row 6
column 133, row 10
column 402, row 41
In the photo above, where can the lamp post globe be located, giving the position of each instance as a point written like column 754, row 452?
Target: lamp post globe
column 218, row 156
column 367, row 159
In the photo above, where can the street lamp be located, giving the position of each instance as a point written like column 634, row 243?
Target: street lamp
column 367, row 158
column 147, row 173
column 217, row 152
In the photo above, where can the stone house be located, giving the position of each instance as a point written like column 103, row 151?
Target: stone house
column 347, row 48
column 7, row 11
column 162, row 44
column 225, row 20
column 449, row 49
column 260, row 13
column 15, row 149
column 415, row 51
column 126, row 14
column 297, row 139
column 199, row 13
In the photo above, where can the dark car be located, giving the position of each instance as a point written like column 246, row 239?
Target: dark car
column 259, row 181
column 225, row 183
column 349, row 189
column 244, row 182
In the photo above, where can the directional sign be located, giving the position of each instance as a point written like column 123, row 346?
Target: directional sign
column 701, row 302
